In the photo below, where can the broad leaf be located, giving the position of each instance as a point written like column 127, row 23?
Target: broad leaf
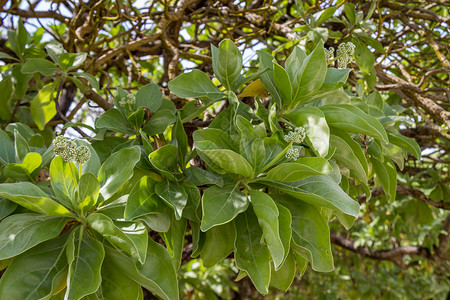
column 114, row 120
column 195, row 84
column 251, row 256
column 221, row 205
column 227, row 63
column 21, row 232
column 387, row 175
column 7, row 155
column 88, row 191
column 406, row 143
column 85, row 257
column 63, row 178
column 218, row 244
column 227, row 161
column 143, row 200
column 25, row 171
column 174, row 239
column 173, row 194
column 117, row 170
column 149, row 96
column 283, row 277
column 267, row 212
column 43, row 107
column 30, row 196
column 301, row 169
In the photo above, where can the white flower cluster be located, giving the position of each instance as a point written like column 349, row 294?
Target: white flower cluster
column 68, row 150
column 346, row 50
column 293, row 154
column 297, row 136
column 329, row 53
column 129, row 99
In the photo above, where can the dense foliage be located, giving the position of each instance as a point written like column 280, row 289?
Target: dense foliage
column 122, row 169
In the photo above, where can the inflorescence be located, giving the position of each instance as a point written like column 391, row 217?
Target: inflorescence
column 129, row 99
column 293, row 154
column 346, row 50
column 69, row 151
column 297, row 136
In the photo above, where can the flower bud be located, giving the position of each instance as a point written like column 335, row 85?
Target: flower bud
column 82, row 154
column 297, row 136
column 292, row 154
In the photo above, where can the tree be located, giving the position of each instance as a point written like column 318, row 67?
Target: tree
column 200, row 150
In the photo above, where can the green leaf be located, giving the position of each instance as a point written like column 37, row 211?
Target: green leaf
column 105, row 226
column 199, row 177
column 311, row 76
column 64, row 178
column 88, row 190
column 37, row 273
column 387, row 175
column 6, row 86
column 143, row 200
column 30, row 196
column 218, row 244
column 113, row 120
column 251, row 256
column 21, row 232
column 7, row 154
column 158, row 274
column 408, row 144
column 6, row 207
column 43, row 107
column 266, row 62
column 191, row 210
column 174, row 239
column 212, row 138
column 149, row 96
column 301, row 169
column 294, row 64
column 117, row 170
column 116, row 285
column 350, row 154
column 40, row 65
column 353, row 119
column 25, row 171
column 159, row 222
column 283, row 277
column 221, row 205
column 55, row 50
column 334, row 79
column 285, row 220
column 320, row 190
column 316, row 127
column 350, row 12
column 182, row 141
column 227, row 161
column 174, row 195
column 310, row 232
column 159, row 122
column 164, row 159
column 21, row 146
column 85, row 257
column 227, row 63
column 267, row 212
column 195, row 84
column 322, row 16
column 283, row 84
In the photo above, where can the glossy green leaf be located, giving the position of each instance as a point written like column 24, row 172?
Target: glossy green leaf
column 143, row 200
column 7, row 154
column 283, row 84
column 164, row 159
column 309, row 232
column 159, row 122
column 218, row 244
column 116, row 285
column 195, row 84
column 301, row 169
column 350, row 154
column 6, row 207
column 227, row 161
column 199, row 177
column 6, row 86
column 334, row 79
column 64, row 180
column 251, row 256
column 212, row 138
column 227, row 63
column 90, row 78
column 37, row 273
column 174, row 239
column 106, row 227
column 353, row 119
column 40, row 65
column 406, row 143
column 88, row 191
column 321, row 190
column 221, row 205
column 191, row 210
column 267, row 212
column 173, row 194
column 85, row 257
column 21, row 146
column 158, row 274
column 387, row 175
column 117, row 170
column 30, row 196
column 285, row 221
column 25, row 171
column 311, row 76
column 266, row 62
column 21, row 232
column 43, row 107
column 283, row 277
column 316, row 127
column 149, row 96
column 113, row 120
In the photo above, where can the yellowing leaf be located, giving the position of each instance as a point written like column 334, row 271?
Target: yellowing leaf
column 255, row 89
